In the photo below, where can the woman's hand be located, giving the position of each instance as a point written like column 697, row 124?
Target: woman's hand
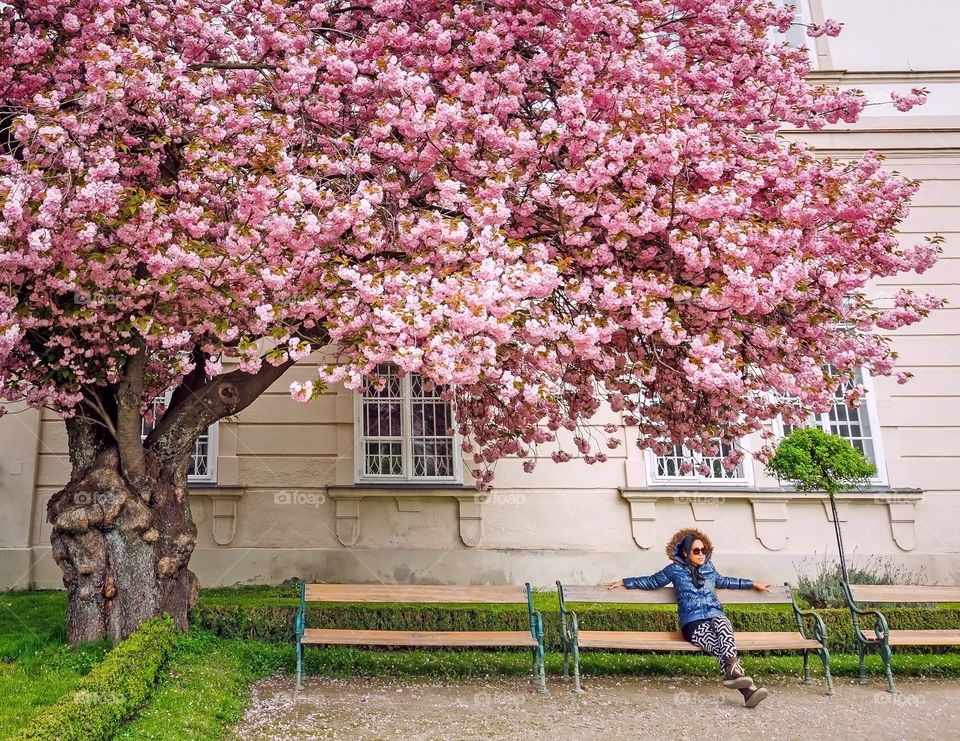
column 761, row 587
column 618, row 584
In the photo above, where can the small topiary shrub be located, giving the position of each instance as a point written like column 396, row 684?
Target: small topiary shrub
column 813, row 460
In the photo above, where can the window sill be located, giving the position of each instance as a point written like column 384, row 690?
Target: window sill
column 429, row 485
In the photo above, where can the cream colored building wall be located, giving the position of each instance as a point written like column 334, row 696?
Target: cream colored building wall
column 285, row 503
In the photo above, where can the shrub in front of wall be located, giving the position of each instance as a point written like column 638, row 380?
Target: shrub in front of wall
column 821, row 581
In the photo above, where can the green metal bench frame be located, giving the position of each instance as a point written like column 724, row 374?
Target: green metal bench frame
column 538, row 675
column 882, row 631
column 569, row 627
column 881, row 628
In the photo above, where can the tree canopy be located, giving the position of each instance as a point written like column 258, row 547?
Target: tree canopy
column 813, row 460
column 542, row 205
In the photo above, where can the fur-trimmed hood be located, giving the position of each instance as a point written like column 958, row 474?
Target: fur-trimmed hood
column 673, row 545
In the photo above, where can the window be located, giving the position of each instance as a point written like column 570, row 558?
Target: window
column 796, row 35
column 858, row 425
column 404, row 430
column 203, row 461
column 686, row 467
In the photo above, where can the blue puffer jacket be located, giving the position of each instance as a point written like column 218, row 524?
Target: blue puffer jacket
column 693, row 603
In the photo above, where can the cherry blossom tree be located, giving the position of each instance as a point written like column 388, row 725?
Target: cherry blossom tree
column 542, row 206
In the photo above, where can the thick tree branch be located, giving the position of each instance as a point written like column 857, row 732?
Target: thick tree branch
column 228, row 394
column 84, row 442
column 193, row 381
column 129, row 425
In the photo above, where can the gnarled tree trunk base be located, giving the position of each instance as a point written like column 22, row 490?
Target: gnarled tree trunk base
column 123, row 549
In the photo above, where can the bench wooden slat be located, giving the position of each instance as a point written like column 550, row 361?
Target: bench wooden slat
column 778, row 594
column 772, row 641
column 324, row 636
column 674, row 641
column 903, row 593
column 919, row 637
column 415, row 593
column 649, row 640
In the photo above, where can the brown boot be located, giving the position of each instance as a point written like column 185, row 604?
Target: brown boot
column 733, row 676
column 753, row 695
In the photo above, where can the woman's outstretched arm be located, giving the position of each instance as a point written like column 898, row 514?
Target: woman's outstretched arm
column 735, row 582
column 654, row 581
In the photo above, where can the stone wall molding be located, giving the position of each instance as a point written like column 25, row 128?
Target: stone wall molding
column 770, row 507
column 224, row 501
column 409, row 499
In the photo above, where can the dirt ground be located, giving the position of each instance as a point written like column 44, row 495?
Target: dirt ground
column 508, row 708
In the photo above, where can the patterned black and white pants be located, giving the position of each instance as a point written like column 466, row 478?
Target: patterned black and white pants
column 715, row 637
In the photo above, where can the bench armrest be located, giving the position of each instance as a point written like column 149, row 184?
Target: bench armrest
column 819, row 627
column 880, row 626
column 570, row 627
column 536, row 626
column 566, row 616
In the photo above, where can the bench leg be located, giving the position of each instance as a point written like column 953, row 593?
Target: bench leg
column 861, row 652
column 887, row 656
column 825, row 658
column 806, row 668
column 543, row 671
column 534, row 667
column 299, row 664
column 576, row 669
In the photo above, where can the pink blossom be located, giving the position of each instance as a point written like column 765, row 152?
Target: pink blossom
column 917, row 96
column 302, row 391
column 540, row 208
column 829, row 27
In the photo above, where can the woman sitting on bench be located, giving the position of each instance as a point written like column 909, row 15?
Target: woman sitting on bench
column 701, row 616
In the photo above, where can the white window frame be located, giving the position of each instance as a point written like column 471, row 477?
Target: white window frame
column 695, row 479
column 406, row 440
column 868, row 403
column 803, row 16
column 213, row 447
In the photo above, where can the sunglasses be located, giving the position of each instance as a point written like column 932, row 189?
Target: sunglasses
column 700, row 551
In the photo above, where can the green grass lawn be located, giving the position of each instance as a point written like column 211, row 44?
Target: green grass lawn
column 205, row 687
column 36, row 668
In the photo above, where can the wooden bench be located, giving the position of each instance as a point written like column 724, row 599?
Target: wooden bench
column 574, row 639
column 880, row 636
column 417, row 593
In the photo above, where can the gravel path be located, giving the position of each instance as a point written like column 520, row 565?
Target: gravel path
column 507, row 708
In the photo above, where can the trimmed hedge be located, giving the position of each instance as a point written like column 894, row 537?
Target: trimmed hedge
column 112, row 691
column 274, row 622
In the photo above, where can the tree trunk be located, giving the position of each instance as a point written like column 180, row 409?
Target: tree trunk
column 122, row 529
column 836, row 527
column 123, row 546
